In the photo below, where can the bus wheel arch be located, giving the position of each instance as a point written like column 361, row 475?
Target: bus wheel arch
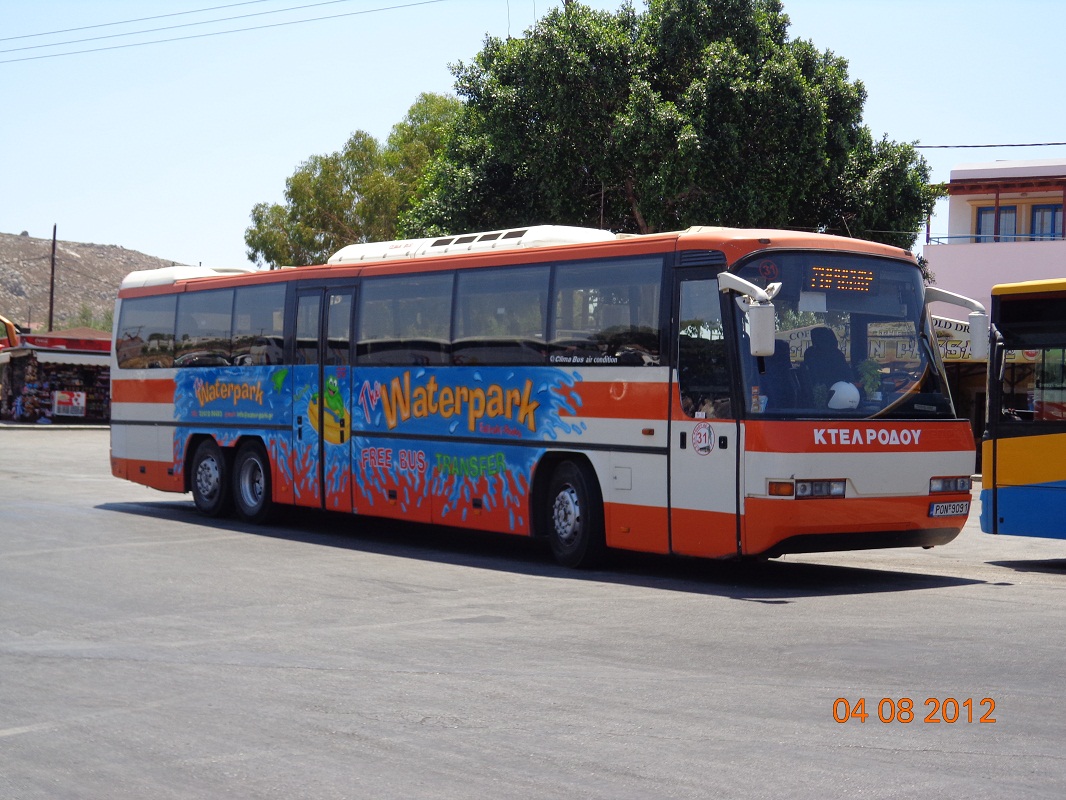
column 207, row 475
column 569, row 510
column 252, row 483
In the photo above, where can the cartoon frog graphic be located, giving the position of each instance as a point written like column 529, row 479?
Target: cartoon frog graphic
column 333, row 401
column 334, row 422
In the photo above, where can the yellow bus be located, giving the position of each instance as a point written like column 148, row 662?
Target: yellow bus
column 1024, row 447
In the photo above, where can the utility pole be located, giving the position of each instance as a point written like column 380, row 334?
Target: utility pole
column 52, row 285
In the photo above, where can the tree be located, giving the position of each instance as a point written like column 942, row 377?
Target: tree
column 693, row 112
column 85, row 318
column 528, row 145
column 354, row 195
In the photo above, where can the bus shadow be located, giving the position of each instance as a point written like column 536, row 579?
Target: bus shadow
column 770, row 582
column 775, row 582
column 1047, row 565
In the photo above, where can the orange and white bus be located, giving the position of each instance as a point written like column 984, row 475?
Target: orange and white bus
column 712, row 392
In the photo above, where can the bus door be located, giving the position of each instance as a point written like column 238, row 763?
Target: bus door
column 704, row 434
column 321, row 396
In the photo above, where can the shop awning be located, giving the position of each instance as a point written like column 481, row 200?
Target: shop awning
column 56, row 356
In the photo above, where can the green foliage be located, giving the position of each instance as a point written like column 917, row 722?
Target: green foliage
column 870, row 375
column 789, row 318
column 885, row 188
column 693, row 112
column 354, row 195
column 928, row 276
column 529, row 145
column 85, row 318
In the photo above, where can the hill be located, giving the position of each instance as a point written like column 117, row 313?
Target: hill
column 87, row 279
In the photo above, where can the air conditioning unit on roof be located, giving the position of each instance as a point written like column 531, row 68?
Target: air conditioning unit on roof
column 533, row 236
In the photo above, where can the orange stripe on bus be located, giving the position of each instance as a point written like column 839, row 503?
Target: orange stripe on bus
column 866, row 436
column 631, row 527
column 154, row 474
column 767, row 521
column 614, row 400
column 609, row 400
column 710, row 534
column 620, row 400
column 142, row 391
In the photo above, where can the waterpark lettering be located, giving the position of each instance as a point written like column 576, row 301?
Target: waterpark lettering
column 222, row 390
column 400, row 402
column 868, row 436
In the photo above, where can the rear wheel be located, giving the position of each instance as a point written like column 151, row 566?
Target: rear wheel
column 210, row 480
column 251, row 483
column 574, row 516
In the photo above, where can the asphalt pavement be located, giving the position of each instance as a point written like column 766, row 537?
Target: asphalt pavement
column 146, row 652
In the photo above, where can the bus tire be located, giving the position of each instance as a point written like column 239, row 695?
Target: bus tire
column 252, row 490
column 210, row 480
column 574, row 517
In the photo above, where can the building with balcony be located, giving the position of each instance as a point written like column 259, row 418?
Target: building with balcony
column 1005, row 224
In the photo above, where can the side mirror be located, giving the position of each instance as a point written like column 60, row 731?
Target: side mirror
column 757, row 306
column 978, row 318
column 978, row 335
column 761, row 329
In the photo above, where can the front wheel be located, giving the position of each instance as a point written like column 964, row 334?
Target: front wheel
column 251, row 484
column 210, row 480
column 575, row 517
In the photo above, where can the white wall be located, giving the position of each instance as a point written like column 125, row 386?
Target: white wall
column 973, row 269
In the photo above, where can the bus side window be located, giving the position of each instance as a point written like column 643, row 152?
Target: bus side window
column 204, row 329
column 258, row 335
column 405, row 320
column 338, row 325
column 607, row 313
column 307, row 326
column 500, row 316
column 145, row 336
column 704, row 375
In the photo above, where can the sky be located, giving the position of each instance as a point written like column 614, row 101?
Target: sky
column 166, row 147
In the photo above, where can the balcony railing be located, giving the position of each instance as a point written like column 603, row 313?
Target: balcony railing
column 983, row 238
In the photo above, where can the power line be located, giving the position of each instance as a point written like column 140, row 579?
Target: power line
column 174, row 27
column 21, row 261
column 968, row 146
column 129, row 21
column 221, row 33
column 64, row 263
column 102, row 281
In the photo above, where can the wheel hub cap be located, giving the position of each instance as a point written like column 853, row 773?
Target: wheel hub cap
column 566, row 514
column 207, row 477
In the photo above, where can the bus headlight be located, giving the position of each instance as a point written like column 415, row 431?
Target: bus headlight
column 810, row 490
column 954, row 484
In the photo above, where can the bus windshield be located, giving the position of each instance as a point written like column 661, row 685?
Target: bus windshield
column 1021, row 454
column 852, row 340
column 1033, row 359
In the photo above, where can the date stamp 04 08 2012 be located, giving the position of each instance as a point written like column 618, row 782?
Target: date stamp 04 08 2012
column 901, row 709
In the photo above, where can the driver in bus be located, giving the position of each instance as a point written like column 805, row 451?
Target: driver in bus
column 824, row 365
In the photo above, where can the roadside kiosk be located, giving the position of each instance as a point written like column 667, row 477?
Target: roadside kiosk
column 61, row 376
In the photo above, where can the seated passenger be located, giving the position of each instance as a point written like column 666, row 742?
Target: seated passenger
column 824, row 364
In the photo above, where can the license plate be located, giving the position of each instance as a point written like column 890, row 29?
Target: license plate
column 949, row 509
